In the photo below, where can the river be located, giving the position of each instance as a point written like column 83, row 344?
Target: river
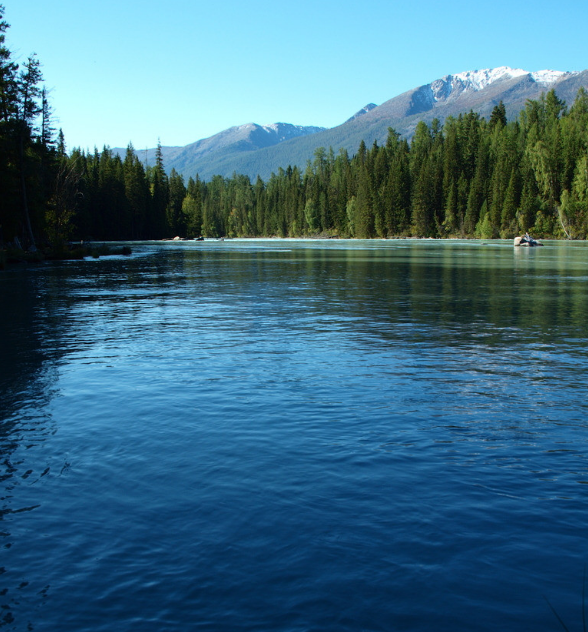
column 291, row 435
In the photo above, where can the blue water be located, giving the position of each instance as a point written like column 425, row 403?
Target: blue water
column 290, row 435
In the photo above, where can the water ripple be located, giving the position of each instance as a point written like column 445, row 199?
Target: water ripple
column 294, row 436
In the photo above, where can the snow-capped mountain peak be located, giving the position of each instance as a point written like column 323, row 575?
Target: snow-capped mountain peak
column 547, row 77
column 480, row 79
column 277, row 131
column 476, row 80
column 285, row 131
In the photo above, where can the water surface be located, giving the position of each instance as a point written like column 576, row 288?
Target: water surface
column 291, row 435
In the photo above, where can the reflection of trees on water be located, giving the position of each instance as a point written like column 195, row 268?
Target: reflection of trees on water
column 459, row 294
column 448, row 292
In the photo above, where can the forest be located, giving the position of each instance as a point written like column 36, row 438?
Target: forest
column 466, row 177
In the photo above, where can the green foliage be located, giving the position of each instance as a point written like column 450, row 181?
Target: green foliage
column 62, row 204
column 498, row 116
column 311, row 216
column 29, row 163
column 484, row 228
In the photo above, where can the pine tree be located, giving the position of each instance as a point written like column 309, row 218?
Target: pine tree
column 47, row 137
column 28, row 109
column 364, row 216
column 498, row 116
column 311, row 215
column 509, row 209
column 61, row 147
column 528, row 203
column 378, row 185
column 177, row 193
column 450, row 221
column 10, row 219
column 478, row 191
column 399, row 190
column 157, row 226
column 192, row 208
column 423, row 211
column 136, row 193
column 8, row 77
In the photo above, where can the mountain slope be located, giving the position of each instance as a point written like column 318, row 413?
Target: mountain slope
column 244, row 149
column 231, row 142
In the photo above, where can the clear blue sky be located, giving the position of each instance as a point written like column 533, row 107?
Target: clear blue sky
column 179, row 70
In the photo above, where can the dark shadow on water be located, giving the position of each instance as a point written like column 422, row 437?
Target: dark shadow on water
column 32, row 322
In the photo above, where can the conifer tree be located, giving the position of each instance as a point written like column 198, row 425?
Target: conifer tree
column 47, row 136
column 176, row 195
column 528, row 204
column 28, row 108
column 192, row 208
column 364, row 217
column 136, row 194
column 159, row 196
column 450, row 221
column 498, row 116
column 8, row 82
column 509, row 209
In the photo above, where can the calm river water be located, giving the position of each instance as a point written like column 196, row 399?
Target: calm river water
column 290, row 435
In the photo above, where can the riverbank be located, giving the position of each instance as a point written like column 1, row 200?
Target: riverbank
column 13, row 255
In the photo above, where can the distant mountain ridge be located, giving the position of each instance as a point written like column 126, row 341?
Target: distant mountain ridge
column 476, row 80
column 253, row 149
column 465, row 85
column 368, row 108
column 241, row 138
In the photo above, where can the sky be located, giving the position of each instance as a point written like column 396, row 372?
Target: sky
column 177, row 71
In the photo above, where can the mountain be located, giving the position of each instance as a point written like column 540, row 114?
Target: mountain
column 364, row 110
column 480, row 91
column 229, row 143
column 253, row 149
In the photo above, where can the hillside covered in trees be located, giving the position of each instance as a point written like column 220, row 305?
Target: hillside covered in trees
column 467, row 177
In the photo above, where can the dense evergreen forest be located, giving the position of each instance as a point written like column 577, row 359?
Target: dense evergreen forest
column 31, row 165
column 467, row 177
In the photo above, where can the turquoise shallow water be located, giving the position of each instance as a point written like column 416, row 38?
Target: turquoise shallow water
column 295, row 435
